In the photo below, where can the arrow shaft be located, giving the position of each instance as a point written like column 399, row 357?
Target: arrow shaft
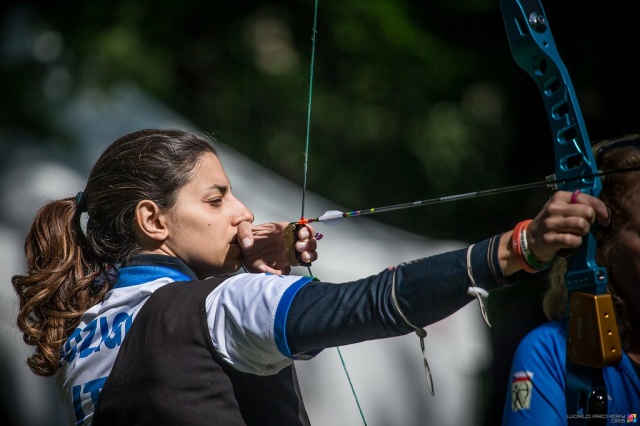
column 550, row 182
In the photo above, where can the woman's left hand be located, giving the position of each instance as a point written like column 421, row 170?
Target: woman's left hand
column 563, row 222
column 263, row 247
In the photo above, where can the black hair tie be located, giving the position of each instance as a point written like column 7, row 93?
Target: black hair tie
column 81, row 202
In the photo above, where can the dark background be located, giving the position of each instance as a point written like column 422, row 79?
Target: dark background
column 411, row 100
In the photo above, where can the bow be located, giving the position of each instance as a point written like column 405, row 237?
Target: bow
column 592, row 338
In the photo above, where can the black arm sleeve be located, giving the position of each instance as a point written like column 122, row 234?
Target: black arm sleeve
column 426, row 290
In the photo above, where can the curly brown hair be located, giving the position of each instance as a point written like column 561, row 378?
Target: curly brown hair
column 68, row 270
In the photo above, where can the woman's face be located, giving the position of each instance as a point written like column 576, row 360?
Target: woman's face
column 625, row 265
column 202, row 226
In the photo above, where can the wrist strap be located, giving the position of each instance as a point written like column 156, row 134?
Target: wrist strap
column 527, row 260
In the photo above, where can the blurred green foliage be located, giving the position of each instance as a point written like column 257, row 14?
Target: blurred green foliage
column 411, row 99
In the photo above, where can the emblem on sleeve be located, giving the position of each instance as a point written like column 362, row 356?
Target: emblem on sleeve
column 521, row 389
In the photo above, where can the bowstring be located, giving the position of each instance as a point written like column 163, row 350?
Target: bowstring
column 304, row 182
column 306, row 145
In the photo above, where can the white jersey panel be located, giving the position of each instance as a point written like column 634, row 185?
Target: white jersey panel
column 241, row 316
column 90, row 352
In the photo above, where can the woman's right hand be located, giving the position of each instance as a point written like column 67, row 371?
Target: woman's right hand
column 263, row 247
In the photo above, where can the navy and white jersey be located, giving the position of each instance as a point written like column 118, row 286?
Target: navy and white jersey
column 242, row 315
column 221, row 350
column 536, row 389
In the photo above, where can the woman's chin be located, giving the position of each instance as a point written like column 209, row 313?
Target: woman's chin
column 231, row 264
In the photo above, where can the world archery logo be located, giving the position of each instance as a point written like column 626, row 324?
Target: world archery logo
column 521, row 390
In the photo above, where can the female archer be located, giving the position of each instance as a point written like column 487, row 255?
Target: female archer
column 144, row 316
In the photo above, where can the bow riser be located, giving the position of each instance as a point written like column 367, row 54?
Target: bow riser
column 534, row 50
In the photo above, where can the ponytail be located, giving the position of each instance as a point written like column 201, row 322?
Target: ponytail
column 57, row 287
column 68, row 270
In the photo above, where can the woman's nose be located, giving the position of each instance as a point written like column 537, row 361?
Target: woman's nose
column 249, row 216
column 244, row 214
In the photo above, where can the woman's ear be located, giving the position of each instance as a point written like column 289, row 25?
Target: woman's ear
column 149, row 223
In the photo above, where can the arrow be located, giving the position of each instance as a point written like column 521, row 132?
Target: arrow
column 332, row 217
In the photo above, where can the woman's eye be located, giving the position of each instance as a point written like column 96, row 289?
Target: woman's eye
column 215, row 201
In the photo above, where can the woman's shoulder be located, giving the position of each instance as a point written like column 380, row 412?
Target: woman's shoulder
column 551, row 335
column 550, row 329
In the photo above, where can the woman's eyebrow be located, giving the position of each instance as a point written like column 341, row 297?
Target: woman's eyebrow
column 221, row 188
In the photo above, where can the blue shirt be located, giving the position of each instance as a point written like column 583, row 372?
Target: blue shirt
column 536, row 389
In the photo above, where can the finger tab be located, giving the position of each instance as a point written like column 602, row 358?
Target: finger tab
column 290, row 237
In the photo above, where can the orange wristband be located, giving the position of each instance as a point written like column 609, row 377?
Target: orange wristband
column 516, row 246
column 525, row 257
